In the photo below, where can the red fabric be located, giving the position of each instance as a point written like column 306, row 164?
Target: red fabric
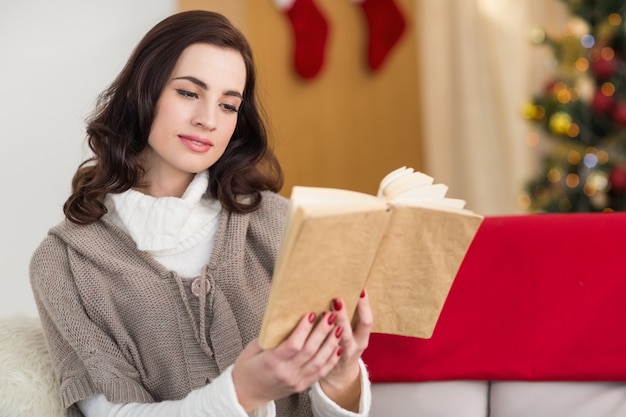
column 538, row 297
column 386, row 24
column 310, row 30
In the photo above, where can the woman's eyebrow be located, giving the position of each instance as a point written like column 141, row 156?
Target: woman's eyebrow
column 204, row 86
column 194, row 80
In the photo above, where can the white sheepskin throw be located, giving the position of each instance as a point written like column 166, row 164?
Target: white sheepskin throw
column 27, row 382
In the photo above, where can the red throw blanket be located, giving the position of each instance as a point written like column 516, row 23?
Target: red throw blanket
column 538, row 297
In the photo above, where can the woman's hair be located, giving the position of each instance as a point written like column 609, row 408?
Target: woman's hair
column 118, row 129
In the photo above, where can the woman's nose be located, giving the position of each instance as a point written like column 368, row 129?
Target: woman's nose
column 205, row 117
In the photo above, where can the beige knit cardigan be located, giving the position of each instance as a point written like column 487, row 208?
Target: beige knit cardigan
column 118, row 322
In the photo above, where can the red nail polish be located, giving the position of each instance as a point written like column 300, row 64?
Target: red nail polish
column 311, row 317
column 362, row 293
column 331, row 318
column 339, row 351
column 338, row 332
column 337, row 304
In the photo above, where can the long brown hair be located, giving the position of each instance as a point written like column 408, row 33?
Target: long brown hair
column 118, row 129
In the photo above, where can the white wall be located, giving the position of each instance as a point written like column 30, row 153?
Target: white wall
column 55, row 58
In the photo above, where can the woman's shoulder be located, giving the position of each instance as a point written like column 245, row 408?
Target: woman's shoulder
column 273, row 205
column 51, row 254
column 271, row 212
column 82, row 238
column 274, row 200
column 73, row 233
column 59, row 237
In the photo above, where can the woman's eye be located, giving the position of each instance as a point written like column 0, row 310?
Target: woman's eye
column 230, row 108
column 186, row 93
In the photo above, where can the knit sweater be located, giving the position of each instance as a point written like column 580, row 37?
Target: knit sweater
column 113, row 315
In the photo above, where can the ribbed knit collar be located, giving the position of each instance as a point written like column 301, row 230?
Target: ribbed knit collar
column 166, row 225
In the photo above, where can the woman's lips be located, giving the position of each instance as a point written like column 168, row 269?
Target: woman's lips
column 196, row 143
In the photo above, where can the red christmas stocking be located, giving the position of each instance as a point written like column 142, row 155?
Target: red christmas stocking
column 386, row 24
column 310, row 29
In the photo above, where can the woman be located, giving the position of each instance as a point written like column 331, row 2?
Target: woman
column 152, row 292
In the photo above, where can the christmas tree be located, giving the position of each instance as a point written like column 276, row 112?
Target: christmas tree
column 581, row 113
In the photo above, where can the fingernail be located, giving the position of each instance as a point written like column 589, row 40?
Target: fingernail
column 337, row 304
column 338, row 332
column 311, row 317
column 331, row 318
column 363, row 293
column 339, row 351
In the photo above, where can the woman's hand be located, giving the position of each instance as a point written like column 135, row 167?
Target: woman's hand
column 343, row 383
column 309, row 353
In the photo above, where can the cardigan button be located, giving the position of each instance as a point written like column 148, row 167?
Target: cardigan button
column 196, row 286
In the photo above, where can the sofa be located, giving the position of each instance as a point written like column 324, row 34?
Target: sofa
column 532, row 327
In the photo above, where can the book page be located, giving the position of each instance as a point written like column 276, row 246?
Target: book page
column 399, row 175
column 337, row 200
column 404, row 186
column 416, row 263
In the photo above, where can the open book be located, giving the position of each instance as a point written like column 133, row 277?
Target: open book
column 404, row 246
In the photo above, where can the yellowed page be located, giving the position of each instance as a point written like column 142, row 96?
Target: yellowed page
column 416, row 263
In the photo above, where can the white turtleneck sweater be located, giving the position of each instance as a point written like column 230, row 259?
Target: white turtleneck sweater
column 179, row 233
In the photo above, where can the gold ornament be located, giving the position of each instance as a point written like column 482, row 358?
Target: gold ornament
column 560, row 122
column 529, row 110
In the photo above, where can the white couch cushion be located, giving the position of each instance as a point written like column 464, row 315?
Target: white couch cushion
column 557, row 399
column 430, row 399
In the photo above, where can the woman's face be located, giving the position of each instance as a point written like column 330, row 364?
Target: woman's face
column 195, row 117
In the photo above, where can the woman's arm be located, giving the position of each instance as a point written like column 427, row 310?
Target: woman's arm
column 344, row 383
column 323, row 406
column 217, row 399
column 309, row 353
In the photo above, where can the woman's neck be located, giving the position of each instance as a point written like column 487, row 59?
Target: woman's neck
column 165, row 186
